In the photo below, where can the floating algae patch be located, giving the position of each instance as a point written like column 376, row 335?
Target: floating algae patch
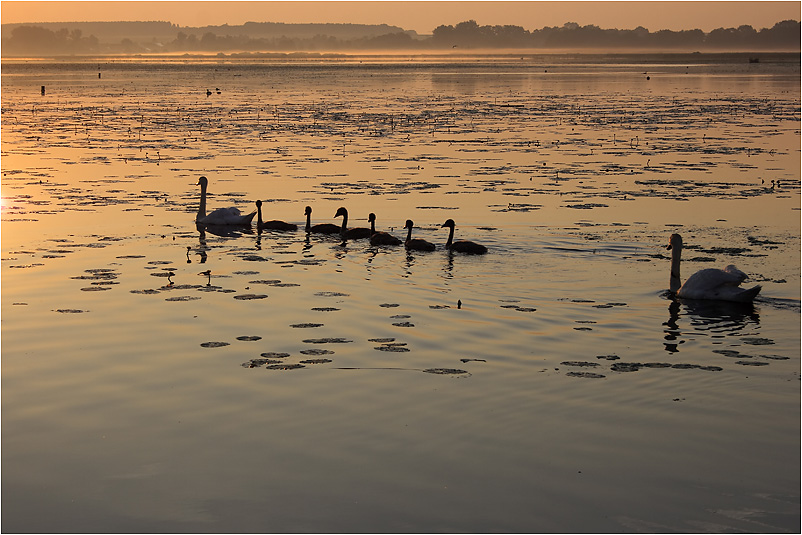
column 403, row 324
column 248, row 338
column 214, row 344
column 306, row 325
column 70, row 311
column 95, row 289
column 249, row 297
column 183, row 298
column 146, row 292
column 255, row 363
column 315, row 351
column 446, row 371
column 751, row 363
column 393, row 348
column 265, row 281
column 315, row 361
column 327, row 341
column 389, row 305
column 331, row 294
column 438, row 307
column 586, row 375
column 284, row 366
column 274, row 355
column 381, row 340
column 324, row 309
column 580, row 363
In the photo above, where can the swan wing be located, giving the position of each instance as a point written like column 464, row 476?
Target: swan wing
column 227, row 216
column 722, row 284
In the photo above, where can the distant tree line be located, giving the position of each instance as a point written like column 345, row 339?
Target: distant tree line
column 785, row 35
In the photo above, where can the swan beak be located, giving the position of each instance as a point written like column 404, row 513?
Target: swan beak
column 668, row 247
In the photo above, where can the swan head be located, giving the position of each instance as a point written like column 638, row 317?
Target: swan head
column 308, row 210
column 258, row 203
column 674, row 242
column 203, row 182
column 371, row 217
column 449, row 223
column 341, row 212
column 408, row 224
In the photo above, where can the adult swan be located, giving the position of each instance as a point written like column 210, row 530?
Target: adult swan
column 221, row 216
column 711, row 283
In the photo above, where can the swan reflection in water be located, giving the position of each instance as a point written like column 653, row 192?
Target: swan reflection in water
column 719, row 318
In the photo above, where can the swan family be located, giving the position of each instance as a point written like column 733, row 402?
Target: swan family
column 707, row 284
column 233, row 216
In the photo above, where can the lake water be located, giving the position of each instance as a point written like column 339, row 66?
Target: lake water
column 159, row 377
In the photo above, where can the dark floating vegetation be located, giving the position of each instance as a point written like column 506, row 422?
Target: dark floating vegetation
column 315, row 351
column 284, row 366
column 272, row 355
column 587, row 375
column 306, row 325
column 327, row 341
column 70, row 311
column 324, row 309
column 446, row 371
column 315, row 361
column 331, row 294
column 214, row 344
column 250, row 297
column 249, row 338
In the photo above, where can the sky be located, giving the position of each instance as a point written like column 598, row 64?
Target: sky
column 420, row 16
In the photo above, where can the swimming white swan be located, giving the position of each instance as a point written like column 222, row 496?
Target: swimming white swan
column 356, row 233
column 380, row 237
column 320, row 228
column 417, row 244
column 462, row 246
column 271, row 225
column 711, row 283
column 221, row 216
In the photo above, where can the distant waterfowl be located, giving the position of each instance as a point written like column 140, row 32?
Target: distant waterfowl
column 416, row 244
column 320, row 228
column 711, row 283
column 356, row 233
column 273, row 224
column 221, row 216
column 380, row 237
column 461, row 246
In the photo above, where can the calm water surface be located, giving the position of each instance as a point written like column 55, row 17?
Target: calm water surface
column 157, row 377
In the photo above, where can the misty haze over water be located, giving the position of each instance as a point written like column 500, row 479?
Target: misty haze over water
column 92, row 38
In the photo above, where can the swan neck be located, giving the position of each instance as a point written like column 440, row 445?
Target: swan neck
column 450, row 237
column 373, row 226
column 345, row 222
column 409, row 233
column 202, row 207
column 259, row 215
column 308, row 221
column 676, row 281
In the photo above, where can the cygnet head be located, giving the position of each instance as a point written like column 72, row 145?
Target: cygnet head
column 408, row 224
column 258, row 204
column 203, row 182
column 341, row 211
column 449, row 223
column 307, row 210
column 675, row 241
column 371, row 217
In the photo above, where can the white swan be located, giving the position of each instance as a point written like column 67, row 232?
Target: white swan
column 462, row 246
column 711, row 283
column 221, row 216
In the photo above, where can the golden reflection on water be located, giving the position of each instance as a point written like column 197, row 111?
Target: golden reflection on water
column 560, row 381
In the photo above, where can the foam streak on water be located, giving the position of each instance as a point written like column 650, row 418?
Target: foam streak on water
column 162, row 377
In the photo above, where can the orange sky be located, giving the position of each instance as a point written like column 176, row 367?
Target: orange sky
column 420, row 16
